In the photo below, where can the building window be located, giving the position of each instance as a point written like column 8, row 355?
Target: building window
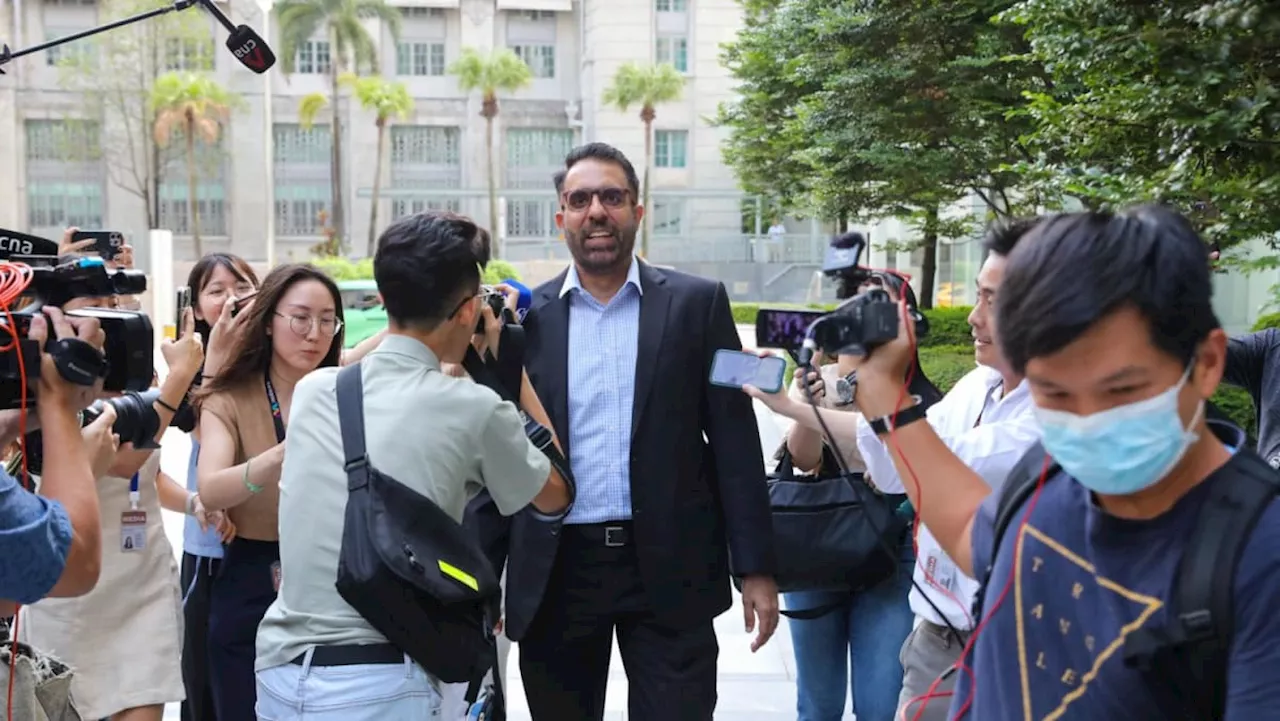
column 66, row 178
column 541, row 59
column 188, row 54
column 414, row 58
column 211, row 197
column 670, row 148
column 668, row 217
column 421, row 13
column 302, row 176
column 313, row 58
column 673, row 50
column 533, row 156
column 425, row 158
column 671, row 6
column 77, row 52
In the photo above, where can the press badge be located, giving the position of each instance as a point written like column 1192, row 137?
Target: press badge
column 133, row 531
column 275, row 577
column 941, row 571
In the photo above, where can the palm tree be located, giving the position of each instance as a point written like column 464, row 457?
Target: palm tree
column 350, row 44
column 647, row 86
column 501, row 71
column 386, row 100
column 196, row 106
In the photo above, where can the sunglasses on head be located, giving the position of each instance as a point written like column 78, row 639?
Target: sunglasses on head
column 609, row 197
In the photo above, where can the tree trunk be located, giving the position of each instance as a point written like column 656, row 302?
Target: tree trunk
column 494, row 231
column 193, row 206
column 336, row 216
column 929, row 266
column 377, row 187
column 646, row 225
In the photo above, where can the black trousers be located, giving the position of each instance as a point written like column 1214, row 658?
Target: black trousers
column 564, row 658
column 197, row 583
column 242, row 591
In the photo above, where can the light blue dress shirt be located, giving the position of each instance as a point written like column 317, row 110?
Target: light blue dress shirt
column 195, row 541
column 603, row 343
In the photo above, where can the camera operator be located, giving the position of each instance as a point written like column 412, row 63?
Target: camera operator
column 986, row 422
column 443, row 437
column 50, row 544
column 1109, row 316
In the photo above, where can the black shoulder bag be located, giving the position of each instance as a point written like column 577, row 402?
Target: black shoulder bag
column 407, row 567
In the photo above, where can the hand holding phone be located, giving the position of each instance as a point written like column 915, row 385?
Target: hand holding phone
column 180, row 305
column 106, row 243
column 735, row 369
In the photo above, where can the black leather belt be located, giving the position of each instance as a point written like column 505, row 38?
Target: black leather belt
column 612, row 534
column 363, row 655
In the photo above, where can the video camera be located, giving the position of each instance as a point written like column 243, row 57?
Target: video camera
column 127, row 360
column 859, row 324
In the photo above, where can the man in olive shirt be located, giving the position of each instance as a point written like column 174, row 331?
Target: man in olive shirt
column 442, row 436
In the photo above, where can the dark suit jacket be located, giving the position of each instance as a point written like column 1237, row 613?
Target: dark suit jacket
column 696, row 502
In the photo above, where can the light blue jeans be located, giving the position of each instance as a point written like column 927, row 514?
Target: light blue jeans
column 372, row 692
column 854, row 648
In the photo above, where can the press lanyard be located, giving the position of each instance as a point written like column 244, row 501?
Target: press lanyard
column 134, row 496
column 276, row 417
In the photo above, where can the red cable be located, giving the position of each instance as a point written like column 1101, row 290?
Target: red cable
column 932, row 693
column 14, row 279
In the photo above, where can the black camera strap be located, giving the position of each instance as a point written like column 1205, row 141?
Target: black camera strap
column 277, row 417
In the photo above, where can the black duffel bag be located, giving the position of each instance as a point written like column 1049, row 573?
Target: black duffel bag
column 832, row 531
column 407, row 567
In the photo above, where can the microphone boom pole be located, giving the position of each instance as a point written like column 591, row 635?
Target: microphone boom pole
column 6, row 55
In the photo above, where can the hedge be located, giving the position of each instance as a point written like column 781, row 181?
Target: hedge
column 947, row 326
column 341, row 269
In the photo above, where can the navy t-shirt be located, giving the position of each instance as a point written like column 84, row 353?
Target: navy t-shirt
column 1252, row 364
column 1053, row 648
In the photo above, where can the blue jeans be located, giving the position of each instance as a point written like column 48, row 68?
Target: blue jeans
column 373, row 692
column 867, row 636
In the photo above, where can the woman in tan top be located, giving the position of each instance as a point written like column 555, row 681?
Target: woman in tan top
column 294, row 325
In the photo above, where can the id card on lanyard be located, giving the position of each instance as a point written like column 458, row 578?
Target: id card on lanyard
column 277, row 419
column 133, row 522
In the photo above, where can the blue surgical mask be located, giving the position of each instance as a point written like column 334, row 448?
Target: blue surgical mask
column 1121, row 451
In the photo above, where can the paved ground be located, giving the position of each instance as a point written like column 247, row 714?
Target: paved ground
column 752, row 687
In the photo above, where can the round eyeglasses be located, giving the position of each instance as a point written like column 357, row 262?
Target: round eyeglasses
column 302, row 324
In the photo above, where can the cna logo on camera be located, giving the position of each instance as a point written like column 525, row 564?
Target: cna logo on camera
column 15, row 246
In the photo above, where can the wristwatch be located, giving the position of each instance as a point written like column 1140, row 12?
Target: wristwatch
column 893, row 421
column 846, row 387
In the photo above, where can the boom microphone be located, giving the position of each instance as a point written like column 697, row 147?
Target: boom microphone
column 245, row 44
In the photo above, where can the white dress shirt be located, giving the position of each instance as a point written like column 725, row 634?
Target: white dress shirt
column 990, row 431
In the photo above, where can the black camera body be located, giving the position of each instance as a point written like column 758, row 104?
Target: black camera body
column 496, row 301
column 858, row 325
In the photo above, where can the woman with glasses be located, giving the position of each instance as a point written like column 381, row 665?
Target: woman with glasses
column 292, row 327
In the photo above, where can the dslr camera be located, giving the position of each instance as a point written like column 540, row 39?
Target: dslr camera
column 496, row 301
column 126, row 363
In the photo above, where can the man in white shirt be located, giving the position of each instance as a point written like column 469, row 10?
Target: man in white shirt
column 443, row 437
column 986, row 420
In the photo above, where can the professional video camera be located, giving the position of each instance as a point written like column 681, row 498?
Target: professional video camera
column 859, row 324
column 35, row 273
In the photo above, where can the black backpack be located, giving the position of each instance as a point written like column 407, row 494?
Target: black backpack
column 1183, row 662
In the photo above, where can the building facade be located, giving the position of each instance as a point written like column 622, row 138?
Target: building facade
column 268, row 178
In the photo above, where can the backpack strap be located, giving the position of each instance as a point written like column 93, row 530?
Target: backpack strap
column 1184, row 661
column 1017, row 488
column 350, row 387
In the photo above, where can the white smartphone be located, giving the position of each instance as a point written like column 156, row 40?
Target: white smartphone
column 735, row 369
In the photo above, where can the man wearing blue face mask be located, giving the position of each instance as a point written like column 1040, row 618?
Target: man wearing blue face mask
column 1089, row 611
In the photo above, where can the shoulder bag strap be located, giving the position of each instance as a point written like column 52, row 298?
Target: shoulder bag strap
column 1185, row 661
column 351, row 421
column 1018, row 487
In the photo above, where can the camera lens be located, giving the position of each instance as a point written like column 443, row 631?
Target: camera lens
column 136, row 418
column 129, row 282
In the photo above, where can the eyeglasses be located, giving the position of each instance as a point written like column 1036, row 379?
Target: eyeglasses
column 302, row 324
column 609, row 197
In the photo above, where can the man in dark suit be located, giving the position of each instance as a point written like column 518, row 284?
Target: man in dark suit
column 669, row 481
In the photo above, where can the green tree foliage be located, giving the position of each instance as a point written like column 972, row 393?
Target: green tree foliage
column 880, row 108
column 1175, row 101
